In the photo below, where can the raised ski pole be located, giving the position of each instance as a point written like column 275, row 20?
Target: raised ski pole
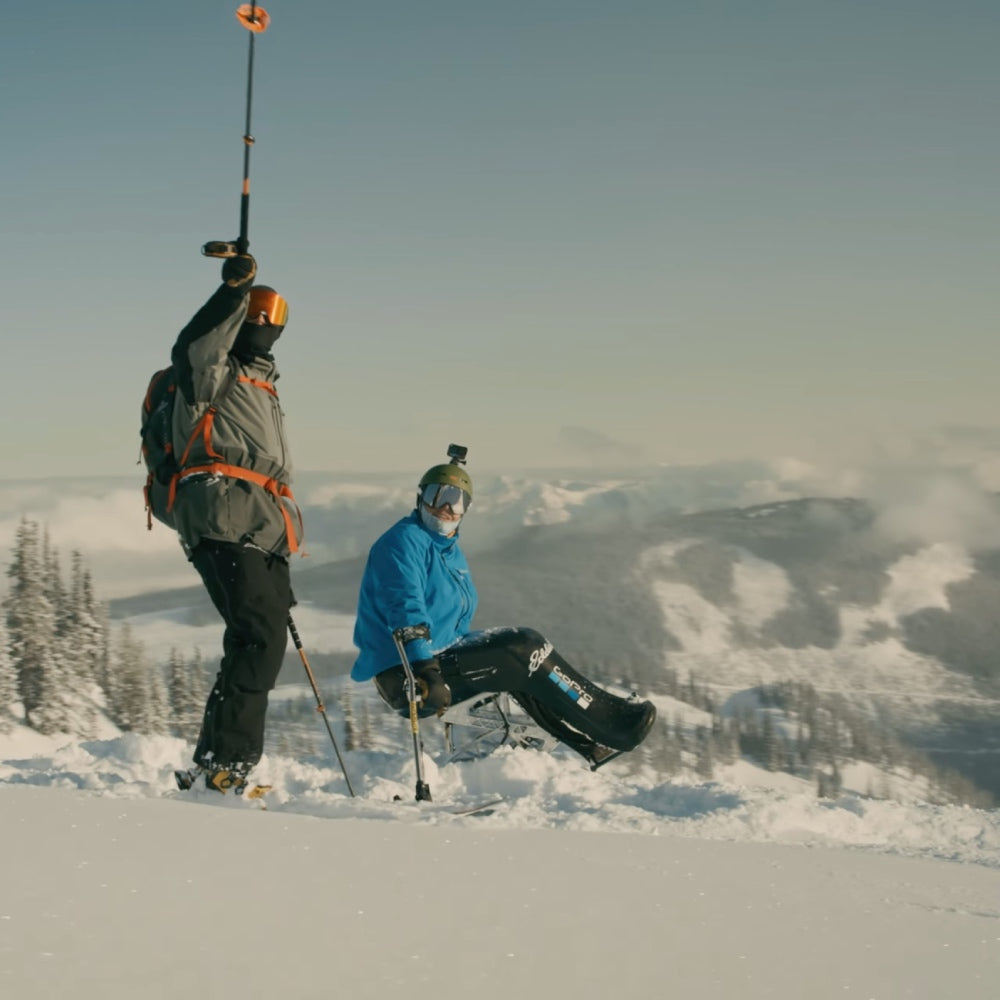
column 319, row 701
column 401, row 636
column 255, row 19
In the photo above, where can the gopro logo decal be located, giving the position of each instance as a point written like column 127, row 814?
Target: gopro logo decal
column 571, row 687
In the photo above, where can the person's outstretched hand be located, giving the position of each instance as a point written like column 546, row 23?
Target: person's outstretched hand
column 239, row 271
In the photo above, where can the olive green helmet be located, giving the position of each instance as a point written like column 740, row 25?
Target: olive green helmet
column 449, row 474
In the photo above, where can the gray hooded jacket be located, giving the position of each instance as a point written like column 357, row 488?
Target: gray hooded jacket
column 229, row 436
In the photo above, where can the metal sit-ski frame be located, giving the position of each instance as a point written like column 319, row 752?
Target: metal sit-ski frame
column 479, row 725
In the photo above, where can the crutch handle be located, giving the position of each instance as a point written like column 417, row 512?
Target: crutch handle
column 407, row 633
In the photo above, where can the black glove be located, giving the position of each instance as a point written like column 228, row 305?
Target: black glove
column 435, row 695
column 239, row 271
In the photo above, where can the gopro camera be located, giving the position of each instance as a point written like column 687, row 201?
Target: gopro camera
column 457, row 453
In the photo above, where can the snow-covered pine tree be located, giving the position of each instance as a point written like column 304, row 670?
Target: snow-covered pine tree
column 53, row 584
column 351, row 740
column 130, row 694
column 9, row 698
column 32, row 626
column 72, row 704
column 84, row 621
column 367, row 741
column 158, row 715
column 177, row 692
column 105, row 669
column 77, row 642
column 186, row 690
column 198, row 679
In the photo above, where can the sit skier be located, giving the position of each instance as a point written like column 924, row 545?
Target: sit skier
column 417, row 574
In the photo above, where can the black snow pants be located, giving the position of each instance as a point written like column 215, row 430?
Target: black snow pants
column 252, row 591
column 560, row 699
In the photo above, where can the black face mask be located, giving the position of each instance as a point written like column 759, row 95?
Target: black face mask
column 255, row 340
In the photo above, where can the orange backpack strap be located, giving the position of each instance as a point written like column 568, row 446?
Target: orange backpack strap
column 259, row 384
column 203, row 430
column 278, row 490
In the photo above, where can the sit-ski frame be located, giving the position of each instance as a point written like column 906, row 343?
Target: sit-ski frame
column 481, row 724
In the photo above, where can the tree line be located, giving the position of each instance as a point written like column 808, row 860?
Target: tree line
column 63, row 669
column 790, row 727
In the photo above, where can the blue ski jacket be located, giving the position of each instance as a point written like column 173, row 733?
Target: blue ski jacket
column 413, row 577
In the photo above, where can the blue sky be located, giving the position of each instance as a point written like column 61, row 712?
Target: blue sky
column 555, row 232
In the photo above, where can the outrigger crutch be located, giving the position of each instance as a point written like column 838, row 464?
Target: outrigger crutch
column 319, row 701
column 401, row 636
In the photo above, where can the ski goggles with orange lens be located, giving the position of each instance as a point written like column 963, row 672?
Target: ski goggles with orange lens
column 438, row 495
column 267, row 301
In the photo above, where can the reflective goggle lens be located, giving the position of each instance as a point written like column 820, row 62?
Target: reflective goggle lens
column 437, row 495
column 266, row 300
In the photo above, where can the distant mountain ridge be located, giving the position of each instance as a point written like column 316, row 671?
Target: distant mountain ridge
column 807, row 589
column 633, row 590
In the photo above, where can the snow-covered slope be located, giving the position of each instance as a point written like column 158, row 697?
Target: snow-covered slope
column 115, row 886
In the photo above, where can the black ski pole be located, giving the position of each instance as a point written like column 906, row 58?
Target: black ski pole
column 319, row 701
column 255, row 19
column 400, row 637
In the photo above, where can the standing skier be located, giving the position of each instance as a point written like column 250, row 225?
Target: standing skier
column 417, row 575
column 234, row 510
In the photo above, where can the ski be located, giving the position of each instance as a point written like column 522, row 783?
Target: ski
column 485, row 807
column 480, row 808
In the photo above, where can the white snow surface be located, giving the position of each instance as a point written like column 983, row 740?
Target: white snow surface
column 580, row 884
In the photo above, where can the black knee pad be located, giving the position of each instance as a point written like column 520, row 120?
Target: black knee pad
column 526, row 643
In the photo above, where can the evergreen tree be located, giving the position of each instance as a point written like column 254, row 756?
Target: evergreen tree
column 71, row 708
column 53, row 637
column 130, row 698
column 8, row 683
column 177, row 693
column 186, row 692
column 351, row 740
column 774, row 756
column 198, row 694
column 157, row 718
column 86, row 622
column 367, row 737
column 103, row 669
column 53, row 584
column 31, row 624
column 704, row 753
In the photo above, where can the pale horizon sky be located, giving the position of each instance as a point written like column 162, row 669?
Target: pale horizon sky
column 556, row 233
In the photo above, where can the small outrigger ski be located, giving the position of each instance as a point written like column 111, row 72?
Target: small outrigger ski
column 480, row 808
column 483, row 808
